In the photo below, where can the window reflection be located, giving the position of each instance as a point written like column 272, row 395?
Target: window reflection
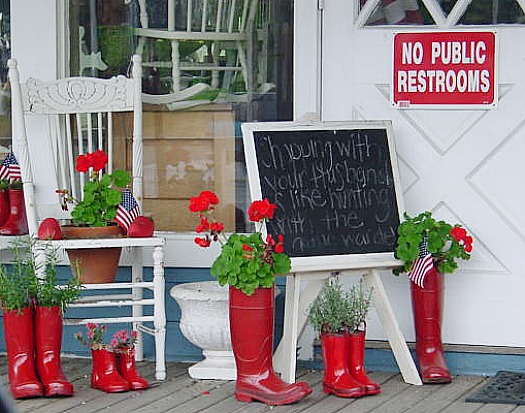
column 192, row 115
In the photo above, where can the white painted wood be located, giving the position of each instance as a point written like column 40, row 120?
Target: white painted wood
column 91, row 102
column 464, row 165
column 295, row 316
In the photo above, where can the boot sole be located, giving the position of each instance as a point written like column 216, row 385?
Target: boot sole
column 342, row 393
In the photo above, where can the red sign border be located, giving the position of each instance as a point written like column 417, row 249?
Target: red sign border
column 408, row 105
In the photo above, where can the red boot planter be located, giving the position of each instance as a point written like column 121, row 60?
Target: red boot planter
column 127, row 368
column 16, row 224
column 105, row 375
column 19, row 341
column 427, row 305
column 356, row 348
column 337, row 379
column 4, row 206
column 251, row 325
column 48, row 339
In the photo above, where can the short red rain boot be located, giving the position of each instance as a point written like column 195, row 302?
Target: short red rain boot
column 127, row 369
column 337, row 379
column 105, row 375
column 356, row 362
column 251, row 327
column 48, row 334
column 20, row 346
column 16, row 224
column 427, row 306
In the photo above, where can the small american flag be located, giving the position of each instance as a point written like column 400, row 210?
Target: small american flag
column 128, row 210
column 422, row 266
column 9, row 169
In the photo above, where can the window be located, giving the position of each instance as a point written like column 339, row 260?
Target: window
column 207, row 67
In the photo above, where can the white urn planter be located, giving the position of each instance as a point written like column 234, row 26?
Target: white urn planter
column 205, row 323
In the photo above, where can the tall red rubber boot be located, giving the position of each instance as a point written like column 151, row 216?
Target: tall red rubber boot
column 104, row 375
column 20, row 346
column 128, row 370
column 251, row 327
column 356, row 362
column 427, row 306
column 337, row 379
column 4, row 206
column 16, row 224
column 48, row 334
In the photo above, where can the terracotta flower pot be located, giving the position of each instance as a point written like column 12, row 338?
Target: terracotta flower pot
column 95, row 265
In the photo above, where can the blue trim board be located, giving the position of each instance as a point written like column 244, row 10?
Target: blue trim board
column 459, row 363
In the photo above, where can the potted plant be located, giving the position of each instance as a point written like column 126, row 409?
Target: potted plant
column 94, row 217
column 249, row 265
column 337, row 316
column 109, row 374
column 429, row 248
column 32, row 309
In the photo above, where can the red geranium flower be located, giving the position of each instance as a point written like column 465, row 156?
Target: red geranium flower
column 99, row 160
column 83, row 163
column 260, row 210
column 202, row 242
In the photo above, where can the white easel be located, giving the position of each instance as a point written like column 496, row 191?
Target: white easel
column 314, row 270
column 295, row 314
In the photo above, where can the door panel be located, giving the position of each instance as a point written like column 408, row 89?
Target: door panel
column 464, row 165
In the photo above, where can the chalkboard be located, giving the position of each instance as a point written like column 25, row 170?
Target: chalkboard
column 336, row 189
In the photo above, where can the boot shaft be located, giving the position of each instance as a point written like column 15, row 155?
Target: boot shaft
column 427, row 306
column 48, row 328
column 18, row 327
column 335, row 354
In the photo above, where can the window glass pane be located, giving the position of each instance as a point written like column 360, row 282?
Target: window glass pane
column 492, row 12
column 399, row 12
column 207, row 67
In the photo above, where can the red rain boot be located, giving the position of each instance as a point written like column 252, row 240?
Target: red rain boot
column 356, row 348
column 105, row 375
column 127, row 368
column 20, row 346
column 427, row 306
column 4, row 206
column 48, row 334
column 337, row 378
column 251, row 326
column 16, row 224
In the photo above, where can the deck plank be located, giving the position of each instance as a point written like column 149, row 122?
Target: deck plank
column 182, row 394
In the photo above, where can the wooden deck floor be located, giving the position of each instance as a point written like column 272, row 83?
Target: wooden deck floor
column 181, row 394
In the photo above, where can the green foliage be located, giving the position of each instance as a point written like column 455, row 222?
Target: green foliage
column 4, row 184
column 101, row 200
column 240, row 269
column 48, row 292
column 337, row 311
column 441, row 244
column 20, row 285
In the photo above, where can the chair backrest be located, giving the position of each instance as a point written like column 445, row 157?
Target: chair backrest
column 202, row 16
column 54, row 121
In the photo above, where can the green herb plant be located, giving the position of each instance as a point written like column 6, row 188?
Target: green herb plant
column 445, row 242
column 336, row 311
column 20, row 285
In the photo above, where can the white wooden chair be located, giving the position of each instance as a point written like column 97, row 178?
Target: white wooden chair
column 222, row 24
column 54, row 121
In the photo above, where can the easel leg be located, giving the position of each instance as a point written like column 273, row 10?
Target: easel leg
column 393, row 332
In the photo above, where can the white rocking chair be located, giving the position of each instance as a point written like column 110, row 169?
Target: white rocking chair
column 53, row 122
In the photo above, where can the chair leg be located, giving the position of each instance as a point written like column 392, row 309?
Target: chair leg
column 159, row 313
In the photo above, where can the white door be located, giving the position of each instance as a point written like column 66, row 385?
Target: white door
column 467, row 166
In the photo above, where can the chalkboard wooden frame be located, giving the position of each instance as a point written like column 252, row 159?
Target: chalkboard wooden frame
column 337, row 262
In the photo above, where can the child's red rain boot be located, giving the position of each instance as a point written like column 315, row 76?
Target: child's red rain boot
column 356, row 362
column 128, row 370
column 337, row 379
column 105, row 375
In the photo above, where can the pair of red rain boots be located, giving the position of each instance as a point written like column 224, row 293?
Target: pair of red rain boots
column 344, row 372
column 13, row 219
column 33, row 341
column 116, row 372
